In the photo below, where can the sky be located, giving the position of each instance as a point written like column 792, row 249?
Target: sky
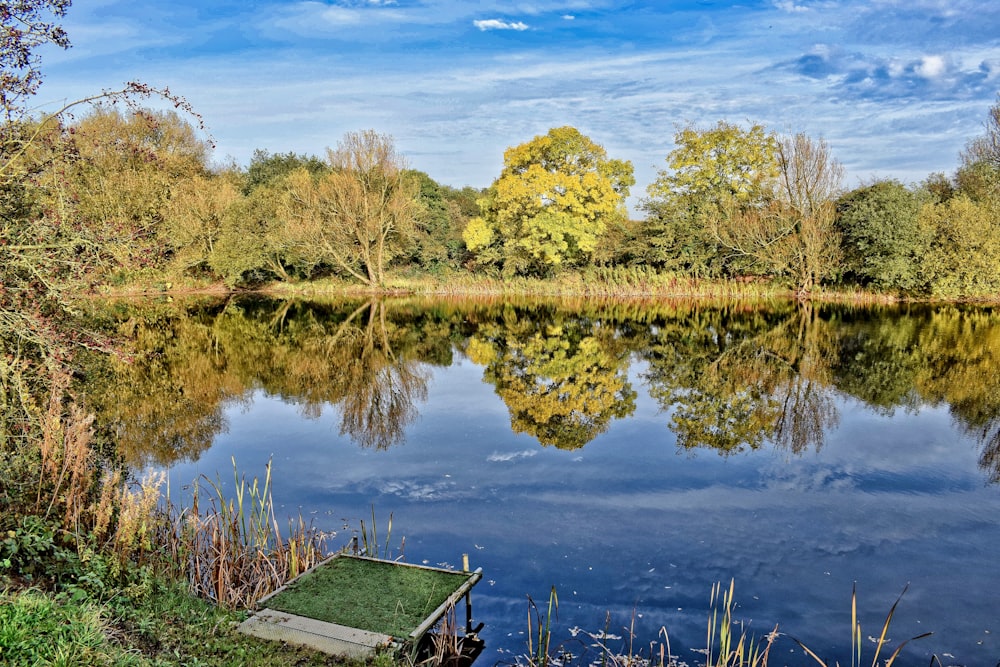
column 896, row 87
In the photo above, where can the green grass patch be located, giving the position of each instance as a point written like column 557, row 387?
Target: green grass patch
column 36, row 629
column 378, row 596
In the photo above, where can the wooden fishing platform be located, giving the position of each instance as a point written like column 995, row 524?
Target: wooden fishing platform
column 354, row 605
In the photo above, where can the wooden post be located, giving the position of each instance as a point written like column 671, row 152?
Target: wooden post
column 468, row 597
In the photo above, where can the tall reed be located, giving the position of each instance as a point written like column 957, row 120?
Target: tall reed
column 369, row 540
column 233, row 549
column 732, row 650
column 724, row 647
column 856, row 636
column 540, row 656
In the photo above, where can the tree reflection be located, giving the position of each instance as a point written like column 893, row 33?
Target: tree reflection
column 356, row 358
column 164, row 401
column 167, row 402
column 563, row 378
column 959, row 352
column 380, row 389
column 732, row 378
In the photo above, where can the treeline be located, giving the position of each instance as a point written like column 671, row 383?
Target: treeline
column 130, row 196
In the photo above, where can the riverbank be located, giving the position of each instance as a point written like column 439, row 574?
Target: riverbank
column 614, row 283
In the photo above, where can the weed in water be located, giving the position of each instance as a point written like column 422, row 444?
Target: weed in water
column 540, row 656
column 726, row 649
column 856, row 636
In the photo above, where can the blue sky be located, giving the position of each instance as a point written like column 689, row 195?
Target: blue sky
column 895, row 86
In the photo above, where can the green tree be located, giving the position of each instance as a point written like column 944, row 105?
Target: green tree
column 443, row 214
column 712, row 176
column 883, row 241
column 553, row 200
column 266, row 168
column 962, row 257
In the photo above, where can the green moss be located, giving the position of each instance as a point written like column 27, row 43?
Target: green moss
column 378, row 596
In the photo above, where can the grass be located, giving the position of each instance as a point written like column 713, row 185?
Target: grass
column 163, row 626
column 378, row 596
column 36, row 629
column 728, row 641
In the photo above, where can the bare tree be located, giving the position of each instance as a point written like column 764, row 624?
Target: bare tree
column 356, row 216
column 986, row 147
column 24, row 26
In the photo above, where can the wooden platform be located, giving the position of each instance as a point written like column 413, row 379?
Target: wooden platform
column 352, row 606
column 319, row 635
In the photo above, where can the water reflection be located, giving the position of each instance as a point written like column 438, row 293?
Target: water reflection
column 728, row 377
column 563, row 377
column 732, row 379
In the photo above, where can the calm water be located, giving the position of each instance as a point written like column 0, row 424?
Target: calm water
column 631, row 455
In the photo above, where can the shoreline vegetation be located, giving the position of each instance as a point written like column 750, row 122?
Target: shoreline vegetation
column 603, row 285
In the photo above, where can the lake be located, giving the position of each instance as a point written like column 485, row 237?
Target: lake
column 630, row 454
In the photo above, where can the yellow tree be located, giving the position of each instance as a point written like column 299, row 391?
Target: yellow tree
column 195, row 217
column 553, row 200
column 126, row 168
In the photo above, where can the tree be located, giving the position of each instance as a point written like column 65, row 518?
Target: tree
column 195, row 218
column 438, row 234
column 712, row 175
column 266, row 168
column 962, row 257
column 979, row 175
column 24, row 26
column 986, row 147
column 882, row 239
column 254, row 241
column 553, row 200
column 359, row 214
column 808, row 183
column 124, row 171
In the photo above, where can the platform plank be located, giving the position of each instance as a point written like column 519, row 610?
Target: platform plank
column 319, row 635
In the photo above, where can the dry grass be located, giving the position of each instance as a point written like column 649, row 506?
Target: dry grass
column 232, row 548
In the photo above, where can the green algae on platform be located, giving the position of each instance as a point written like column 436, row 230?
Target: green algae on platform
column 378, row 596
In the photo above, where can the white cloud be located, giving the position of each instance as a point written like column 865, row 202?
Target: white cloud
column 568, row 17
column 497, row 457
column 497, row 24
column 790, row 6
column 931, row 67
